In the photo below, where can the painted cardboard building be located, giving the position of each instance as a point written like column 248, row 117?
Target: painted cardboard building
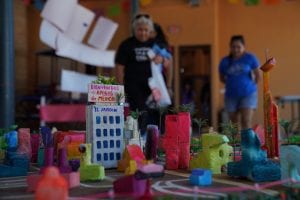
column 176, row 142
column 105, row 125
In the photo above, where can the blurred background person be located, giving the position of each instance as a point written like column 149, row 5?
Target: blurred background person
column 239, row 71
column 133, row 67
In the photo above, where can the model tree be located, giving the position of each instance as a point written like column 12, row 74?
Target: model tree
column 200, row 124
column 289, row 129
column 137, row 116
column 230, row 129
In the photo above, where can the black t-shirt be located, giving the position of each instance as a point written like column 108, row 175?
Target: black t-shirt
column 133, row 55
column 137, row 70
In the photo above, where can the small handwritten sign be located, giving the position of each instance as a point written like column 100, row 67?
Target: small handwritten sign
column 100, row 93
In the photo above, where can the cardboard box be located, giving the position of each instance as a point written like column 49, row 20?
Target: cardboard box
column 105, row 94
column 105, row 127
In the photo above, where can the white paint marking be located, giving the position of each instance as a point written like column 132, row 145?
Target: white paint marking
column 171, row 184
column 162, row 189
column 265, row 191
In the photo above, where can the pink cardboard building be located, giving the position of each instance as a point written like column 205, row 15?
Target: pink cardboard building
column 176, row 141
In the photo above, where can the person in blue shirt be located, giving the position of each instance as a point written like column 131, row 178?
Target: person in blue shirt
column 239, row 71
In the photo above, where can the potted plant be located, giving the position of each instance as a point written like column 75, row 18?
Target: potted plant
column 201, row 123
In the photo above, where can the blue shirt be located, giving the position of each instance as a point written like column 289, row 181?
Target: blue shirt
column 238, row 75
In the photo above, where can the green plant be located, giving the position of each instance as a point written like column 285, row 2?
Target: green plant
column 195, row 145
column 173, row 110
column 200, row 123
column 187, row 108
column 183, row 108
column 105, row 80
column 136, row 114
column 230, row 129
column 3, row 131
column 6, row 130
column 119, row 97
column 288, row 127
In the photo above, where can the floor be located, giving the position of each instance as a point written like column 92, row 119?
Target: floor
column 174, row 185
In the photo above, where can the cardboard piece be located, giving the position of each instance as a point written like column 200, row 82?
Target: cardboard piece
column 66, row 47
column 62, row 161
column 103, row 33
column 49, row 33
column 24, row 146
column 290, row 164
column 149, row 170
column 131, row 152
column 35, row 142
column 71, row 140
column 60, row 13
column 40, row 157
column 70, row 79
column 254, row 164
column 15, row 164
column 152, row 142
column 100, row 93
column 176, row 141
column 87, row 170
column 81, row 20
column 132, row 167
column 105, row 125
column 270, row 112
column 11, row 139
column 129, row 185
column 52, row 186
column 214, row 154
column 200, row 177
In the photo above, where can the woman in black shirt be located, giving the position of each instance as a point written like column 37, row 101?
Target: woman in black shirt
column 133, row 66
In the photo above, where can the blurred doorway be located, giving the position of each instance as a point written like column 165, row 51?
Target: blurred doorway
column 195, row 78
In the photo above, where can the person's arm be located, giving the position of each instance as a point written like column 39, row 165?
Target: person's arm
column 255, row 69
column 257, row 75
column 222, row 78
column 119, row 73
column 121, row 59
column 223, row 64
column 168, row 65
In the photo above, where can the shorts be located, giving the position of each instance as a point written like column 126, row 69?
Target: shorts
column 233, row 104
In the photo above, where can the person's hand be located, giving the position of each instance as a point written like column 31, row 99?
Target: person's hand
column 158, row 59
column 156, row 94
column 166, row 63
